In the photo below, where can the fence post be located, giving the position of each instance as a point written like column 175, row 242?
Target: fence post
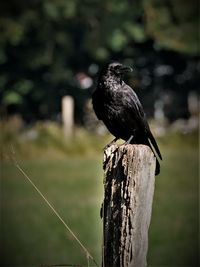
column 129, row 187
column 68, row 115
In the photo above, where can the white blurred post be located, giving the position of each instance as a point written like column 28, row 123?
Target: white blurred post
column 68, row 115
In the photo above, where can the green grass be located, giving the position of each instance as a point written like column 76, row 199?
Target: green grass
column 32, row 235
column 173, row 233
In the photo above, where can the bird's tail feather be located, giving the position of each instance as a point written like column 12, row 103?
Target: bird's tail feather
column 153, row 142
column 148, row 143
column 157, row 171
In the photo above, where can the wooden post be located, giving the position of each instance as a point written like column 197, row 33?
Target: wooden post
column 129, row 187
column 68, row 115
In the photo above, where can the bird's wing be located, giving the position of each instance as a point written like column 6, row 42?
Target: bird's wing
column 133, row 106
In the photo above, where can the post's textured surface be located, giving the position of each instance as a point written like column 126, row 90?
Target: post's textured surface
column 129, row 188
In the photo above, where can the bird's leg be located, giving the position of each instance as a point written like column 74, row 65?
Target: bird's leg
column 129, row 140
column 112, row 142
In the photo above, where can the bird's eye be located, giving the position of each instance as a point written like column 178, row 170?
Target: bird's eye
column 113, row 69
column 117, row 69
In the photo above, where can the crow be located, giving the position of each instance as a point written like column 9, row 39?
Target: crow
column 117, row 105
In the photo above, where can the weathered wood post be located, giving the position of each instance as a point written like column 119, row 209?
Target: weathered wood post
column 129, row 187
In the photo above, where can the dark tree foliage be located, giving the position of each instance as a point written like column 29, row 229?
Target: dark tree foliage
column 45, row 45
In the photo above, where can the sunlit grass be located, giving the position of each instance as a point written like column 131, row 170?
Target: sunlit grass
column 47, row 140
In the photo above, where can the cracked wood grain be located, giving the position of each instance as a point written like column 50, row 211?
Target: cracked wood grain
column 128, row 195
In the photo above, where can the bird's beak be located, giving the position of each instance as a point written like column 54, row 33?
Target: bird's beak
column 125, row 69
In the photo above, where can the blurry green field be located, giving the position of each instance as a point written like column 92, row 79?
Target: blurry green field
column 32, row 235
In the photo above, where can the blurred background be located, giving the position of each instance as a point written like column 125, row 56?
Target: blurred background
column 50, row 54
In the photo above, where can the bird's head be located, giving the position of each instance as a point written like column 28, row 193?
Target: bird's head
column 118, row 69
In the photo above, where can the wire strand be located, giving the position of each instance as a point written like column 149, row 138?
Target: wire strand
column 88, row 255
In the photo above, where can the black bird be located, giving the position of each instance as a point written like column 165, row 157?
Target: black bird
column 117, row 105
